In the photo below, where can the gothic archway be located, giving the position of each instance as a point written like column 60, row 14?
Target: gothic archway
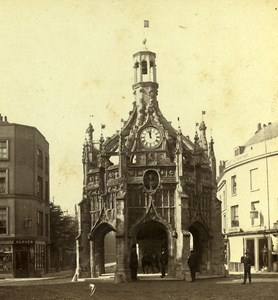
column 201, row 245
column 98, row 244
column 151, row 237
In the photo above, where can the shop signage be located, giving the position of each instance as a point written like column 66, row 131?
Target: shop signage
column 21, row 242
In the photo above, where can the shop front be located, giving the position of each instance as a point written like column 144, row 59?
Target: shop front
column 22, row 259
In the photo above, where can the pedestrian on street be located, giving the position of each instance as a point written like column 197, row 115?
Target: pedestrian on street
column 247, row 262
column 163, row 261
column 133, row 263
column 191, row 261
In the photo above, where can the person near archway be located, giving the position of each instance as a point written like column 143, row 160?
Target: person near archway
column 264, row 255
column 247, row 262
column 163, row 261
column 133, row 263
column 191, row 261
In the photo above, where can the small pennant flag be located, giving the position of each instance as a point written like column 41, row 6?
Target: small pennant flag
column 146, row 24
column 203, row 112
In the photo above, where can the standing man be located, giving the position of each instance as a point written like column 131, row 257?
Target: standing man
column 163, row 261
column 247, row 262
column 133, row 263
column 191, row 261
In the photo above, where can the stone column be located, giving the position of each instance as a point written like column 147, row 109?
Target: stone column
column 256, row 254
column 185, row 255
column 84, row 246
column 122, row 251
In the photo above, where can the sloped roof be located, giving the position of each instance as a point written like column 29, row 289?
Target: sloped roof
column 267, row 132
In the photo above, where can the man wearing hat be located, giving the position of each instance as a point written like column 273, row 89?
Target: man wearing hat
column 191, row 261
column 247, row 262
column 133, row 263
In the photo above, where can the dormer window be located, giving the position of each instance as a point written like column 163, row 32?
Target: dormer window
column 144, row 67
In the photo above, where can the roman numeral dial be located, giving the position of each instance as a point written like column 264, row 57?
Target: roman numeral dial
column 150, row 137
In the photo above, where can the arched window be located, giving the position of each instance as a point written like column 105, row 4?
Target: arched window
column 144, row 67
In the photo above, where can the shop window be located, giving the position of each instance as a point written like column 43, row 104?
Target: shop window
column 6, row 258
column 4, row 149
column 3, row 220
column 3, row 182
column 39, row 257
column 254, row 180
column 233, row 185
column 234, row 216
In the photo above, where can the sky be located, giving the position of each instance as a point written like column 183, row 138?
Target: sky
column 64, row 64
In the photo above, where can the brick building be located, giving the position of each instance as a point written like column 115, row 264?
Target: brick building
column 24, row 201
column 152, row 186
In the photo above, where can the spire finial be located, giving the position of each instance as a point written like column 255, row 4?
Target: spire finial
column 146, row 25
column 203, row 113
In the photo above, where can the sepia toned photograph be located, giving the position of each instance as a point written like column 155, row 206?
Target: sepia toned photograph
column 138, row 149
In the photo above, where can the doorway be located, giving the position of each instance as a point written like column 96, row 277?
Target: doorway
column 22, row 262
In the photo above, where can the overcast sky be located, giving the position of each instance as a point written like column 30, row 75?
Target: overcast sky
column 62, row 61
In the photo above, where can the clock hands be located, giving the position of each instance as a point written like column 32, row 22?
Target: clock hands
column 150, row 133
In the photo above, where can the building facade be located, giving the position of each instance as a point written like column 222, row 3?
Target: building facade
column 152, row 186
column 24, row 201
column 248, row 190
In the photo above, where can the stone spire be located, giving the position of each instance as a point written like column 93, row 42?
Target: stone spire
column 203, row 138
column 212, row 160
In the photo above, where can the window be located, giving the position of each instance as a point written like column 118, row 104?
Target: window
column 233, row 185
column 46, row 165
column 40, row 159
column 254, row 213
column 144, row 67
column 254, row 180
column 6, row 261
column 3, row 220
column 46, row 225
column 3, row 182
column 46, row 191
column 39, row 187
column 3, row 149
column 40, row 223
column 224, row 200
column 234, row 216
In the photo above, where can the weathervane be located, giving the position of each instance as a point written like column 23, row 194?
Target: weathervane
column 146, row 25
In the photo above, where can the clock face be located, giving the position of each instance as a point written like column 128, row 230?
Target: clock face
column 150, row 137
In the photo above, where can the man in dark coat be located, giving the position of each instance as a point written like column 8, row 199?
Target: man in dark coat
column 191, row 261
column 133, row 263
column 163, row 261
column 247, row 262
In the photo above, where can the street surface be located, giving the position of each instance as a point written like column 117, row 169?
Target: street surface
column 64, row 289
